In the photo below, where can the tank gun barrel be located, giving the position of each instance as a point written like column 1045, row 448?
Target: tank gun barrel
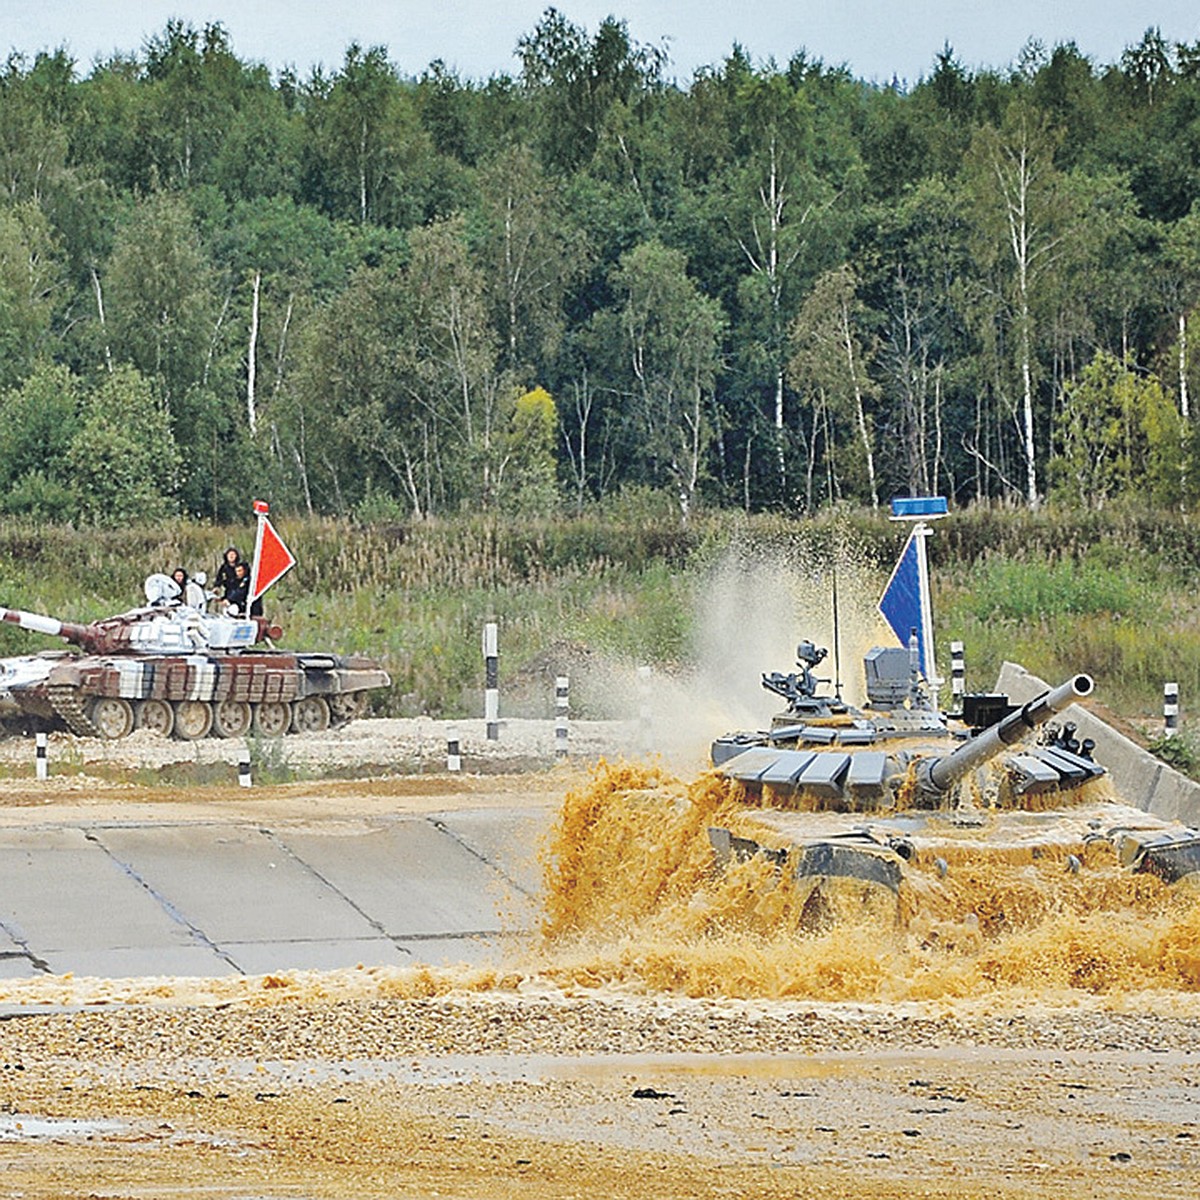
column 37, row 623
column 938, row 775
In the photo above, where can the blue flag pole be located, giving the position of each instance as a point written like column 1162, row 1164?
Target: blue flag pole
column 906, row 604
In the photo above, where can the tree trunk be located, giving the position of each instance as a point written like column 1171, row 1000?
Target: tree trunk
column 1184, row 403
column 281, row 351
column 362, row 174
column 859, row 411
column 252, row 357
column 1031, row 488
column 108, row 362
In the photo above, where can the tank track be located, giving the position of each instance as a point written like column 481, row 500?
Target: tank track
column 68, row 705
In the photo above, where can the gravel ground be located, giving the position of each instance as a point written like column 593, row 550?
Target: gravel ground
column 292, row 1093
column 391, row 744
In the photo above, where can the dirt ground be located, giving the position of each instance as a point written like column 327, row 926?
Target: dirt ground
column 492, row 1083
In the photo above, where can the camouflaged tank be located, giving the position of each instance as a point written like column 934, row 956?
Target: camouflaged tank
column 856, row 759
column 179, row 671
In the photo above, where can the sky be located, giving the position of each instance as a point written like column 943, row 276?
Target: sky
column 876, row 39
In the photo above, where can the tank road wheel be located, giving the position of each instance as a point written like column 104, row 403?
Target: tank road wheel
column 345, row 706
column 231, row 718
column 156, row 715
column 272, row 718
column 310, row 715
column 193, row 719
column 112, row 717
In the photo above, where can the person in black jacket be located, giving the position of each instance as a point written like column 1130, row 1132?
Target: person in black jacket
column 225, row 572
column 237, row 593
column 237, row 589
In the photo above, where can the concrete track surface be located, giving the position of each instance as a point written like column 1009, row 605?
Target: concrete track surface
column 114, row 882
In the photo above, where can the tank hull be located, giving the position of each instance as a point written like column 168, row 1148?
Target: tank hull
column 188, row 695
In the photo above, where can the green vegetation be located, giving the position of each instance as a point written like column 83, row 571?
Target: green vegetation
column 363, row 292
column 1182, row 751
column 1116, row 595
column 543, row 348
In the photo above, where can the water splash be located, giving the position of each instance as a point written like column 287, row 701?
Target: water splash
column 632, row 897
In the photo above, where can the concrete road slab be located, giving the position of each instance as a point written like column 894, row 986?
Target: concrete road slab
column 473, row 951
column 237, row 884
column 60, row 892
column 136, row 962
column 208, row 899
column 262, row 958
column 409, row 875
column 15, row 965
column 510, row 839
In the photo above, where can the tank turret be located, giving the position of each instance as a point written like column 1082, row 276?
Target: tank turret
column 936, row 775
column 860, row 758
column 173, row 629
column 176, row 669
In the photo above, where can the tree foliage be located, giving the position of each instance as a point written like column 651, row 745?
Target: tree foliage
column 772, row 285
column 1118, row 434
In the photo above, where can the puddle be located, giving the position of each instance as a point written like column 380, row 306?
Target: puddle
column 17, row 1127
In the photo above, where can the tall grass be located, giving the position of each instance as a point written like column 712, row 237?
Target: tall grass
column 1114, row 594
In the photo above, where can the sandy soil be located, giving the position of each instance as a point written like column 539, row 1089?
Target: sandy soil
column 385, row 1083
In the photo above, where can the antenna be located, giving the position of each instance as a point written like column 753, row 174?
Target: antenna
column 837, row 637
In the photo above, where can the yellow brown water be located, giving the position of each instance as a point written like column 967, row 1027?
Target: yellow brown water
column 633, row 898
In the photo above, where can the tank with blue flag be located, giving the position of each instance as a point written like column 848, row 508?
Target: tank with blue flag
column 821, row 751
column 897, row 789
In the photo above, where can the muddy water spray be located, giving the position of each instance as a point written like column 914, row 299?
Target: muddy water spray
column 632, row 897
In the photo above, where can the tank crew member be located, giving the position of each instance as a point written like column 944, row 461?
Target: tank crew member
column 180, row 578
column 225, row 572
column 237, row 588
column 238, row 592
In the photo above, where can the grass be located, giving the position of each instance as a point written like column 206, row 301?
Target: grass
column 1182, row 751
column 1115, row 594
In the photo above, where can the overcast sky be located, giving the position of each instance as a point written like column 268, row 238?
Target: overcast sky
column 876, row 39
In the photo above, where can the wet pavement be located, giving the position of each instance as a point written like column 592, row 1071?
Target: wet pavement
column 194, row 898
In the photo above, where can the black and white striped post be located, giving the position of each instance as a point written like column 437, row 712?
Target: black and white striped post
column 1170, row 709
column 244, row 779
column 43, row 767
column 562, row 707
column 491, row 667
column 958, row 675
column 453, row 753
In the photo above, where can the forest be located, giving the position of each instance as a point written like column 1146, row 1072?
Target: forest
column 774, row 287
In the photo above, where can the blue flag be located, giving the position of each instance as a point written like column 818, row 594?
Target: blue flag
column 905, row 601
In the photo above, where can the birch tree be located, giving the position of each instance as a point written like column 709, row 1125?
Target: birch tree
column 670, row 336
column 1024, row 217
column 830, row 361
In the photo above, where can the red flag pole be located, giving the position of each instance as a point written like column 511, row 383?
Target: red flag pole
column 261, row 509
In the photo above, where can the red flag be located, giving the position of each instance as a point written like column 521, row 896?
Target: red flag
column 272, row 559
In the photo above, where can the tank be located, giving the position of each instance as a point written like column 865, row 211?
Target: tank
column 863, row 792
column 858, row 759
column 179, row 671
column 898, row 790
